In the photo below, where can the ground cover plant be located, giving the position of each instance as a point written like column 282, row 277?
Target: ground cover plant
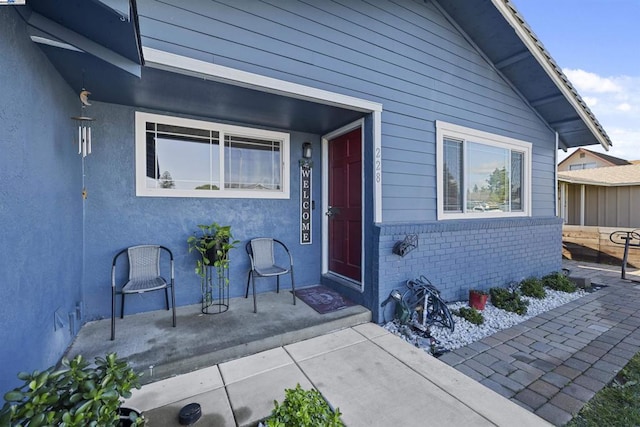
column 470, row 314
column 618, row 404
column 559, row 282
column 533, row 287
column 509, row 300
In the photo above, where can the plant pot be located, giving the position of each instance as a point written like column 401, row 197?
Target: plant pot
column 212, row 254
column 477, row 300
column 125, row 416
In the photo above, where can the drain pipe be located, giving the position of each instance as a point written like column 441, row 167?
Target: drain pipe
column 555, row 177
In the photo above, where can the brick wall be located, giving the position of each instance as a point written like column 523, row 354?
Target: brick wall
column 459, row 255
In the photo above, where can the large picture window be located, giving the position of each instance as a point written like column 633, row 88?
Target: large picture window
column 481, row 174
column 178, row 157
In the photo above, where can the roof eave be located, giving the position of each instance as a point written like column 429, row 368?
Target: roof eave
column 511, row 15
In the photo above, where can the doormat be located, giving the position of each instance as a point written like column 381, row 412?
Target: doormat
column 323, row 299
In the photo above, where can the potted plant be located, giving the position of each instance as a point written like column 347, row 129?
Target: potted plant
column 478, row 299
column 75, row 395
column 213, row 245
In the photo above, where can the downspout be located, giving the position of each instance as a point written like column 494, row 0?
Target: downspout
column 555, row 176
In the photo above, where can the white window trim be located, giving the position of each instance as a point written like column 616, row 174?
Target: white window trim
column 449, row 130
column 140, row 132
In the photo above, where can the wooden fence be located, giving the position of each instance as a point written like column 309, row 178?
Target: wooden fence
column 592, row 244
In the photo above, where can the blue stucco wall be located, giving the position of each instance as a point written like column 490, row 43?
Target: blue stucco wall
column 474, row 254
column 40, row 205
column 116, row 218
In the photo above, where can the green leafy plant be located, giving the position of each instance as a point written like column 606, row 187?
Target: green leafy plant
column 303, row 408
column 76, row 395
column 213, row 244
column 470, row 314
column 509, row 300
column 533, row 287
column 559, row 282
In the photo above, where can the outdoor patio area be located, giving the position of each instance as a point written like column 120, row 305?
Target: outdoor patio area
column 236, row 363
column 158, row 350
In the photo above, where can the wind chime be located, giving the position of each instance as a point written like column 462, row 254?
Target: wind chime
column 84, row 125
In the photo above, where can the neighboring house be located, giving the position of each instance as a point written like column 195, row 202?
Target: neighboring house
column 603, row 197
column 587, row 159
column 435, row 119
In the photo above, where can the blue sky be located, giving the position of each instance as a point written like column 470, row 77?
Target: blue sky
column 597, row 44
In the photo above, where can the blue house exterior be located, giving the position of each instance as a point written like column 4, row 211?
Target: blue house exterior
column 402, row 103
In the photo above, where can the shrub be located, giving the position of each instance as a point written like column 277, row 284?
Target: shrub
column 470, row 314
column 559, row 282
column 508, row 300
column 76, row 395
column 303, row 408
column 533, row 287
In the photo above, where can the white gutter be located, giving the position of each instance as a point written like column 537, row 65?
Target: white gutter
column 535, row 47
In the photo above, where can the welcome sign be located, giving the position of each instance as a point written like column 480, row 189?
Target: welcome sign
column 305, row 203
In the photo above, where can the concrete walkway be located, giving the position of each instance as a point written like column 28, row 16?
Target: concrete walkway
column 554, row 363
column 372, row 376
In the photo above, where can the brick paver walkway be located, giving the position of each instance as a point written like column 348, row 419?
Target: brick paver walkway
column 554, row 363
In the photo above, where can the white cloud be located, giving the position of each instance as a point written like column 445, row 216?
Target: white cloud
column 591, row 101
column 615, row 101
column 590, row 82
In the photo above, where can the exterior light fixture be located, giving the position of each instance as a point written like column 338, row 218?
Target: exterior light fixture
column 307, row 150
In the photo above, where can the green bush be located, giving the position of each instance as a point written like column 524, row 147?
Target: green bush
column 470, row 314
column 559, row 282
column 533, row 287
column 508, row 300
column 76, row 395
column 303, row 408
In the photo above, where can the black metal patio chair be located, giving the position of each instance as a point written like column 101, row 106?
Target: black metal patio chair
column 144, row 276
column 262, row 254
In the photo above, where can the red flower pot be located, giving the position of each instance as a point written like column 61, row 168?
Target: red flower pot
column 477, row 299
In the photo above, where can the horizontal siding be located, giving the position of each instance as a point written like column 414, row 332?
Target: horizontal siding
column 403, row 54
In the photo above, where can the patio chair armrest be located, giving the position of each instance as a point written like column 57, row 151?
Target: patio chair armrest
column 170, row 261
column 113, row 267
column 286, row 250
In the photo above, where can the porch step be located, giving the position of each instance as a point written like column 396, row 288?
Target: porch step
column 159, row 351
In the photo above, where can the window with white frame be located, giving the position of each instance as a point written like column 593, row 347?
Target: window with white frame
column 481, row 174
column 177, row 157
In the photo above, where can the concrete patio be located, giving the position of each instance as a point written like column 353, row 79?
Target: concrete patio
column 158, row 350
column 236, row 364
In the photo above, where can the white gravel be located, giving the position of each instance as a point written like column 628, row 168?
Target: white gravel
column 495, row 320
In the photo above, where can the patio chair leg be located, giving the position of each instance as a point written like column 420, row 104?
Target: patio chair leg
column 166, row 297
column 246, row 295
column 278, row 284
column 253, row 281
column 173, row 304
column 122, row 307
column 293, row 287
column 113, row 315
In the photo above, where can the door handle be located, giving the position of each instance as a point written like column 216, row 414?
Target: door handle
column 331, row 211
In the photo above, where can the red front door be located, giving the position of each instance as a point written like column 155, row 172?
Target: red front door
column 345, row 205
